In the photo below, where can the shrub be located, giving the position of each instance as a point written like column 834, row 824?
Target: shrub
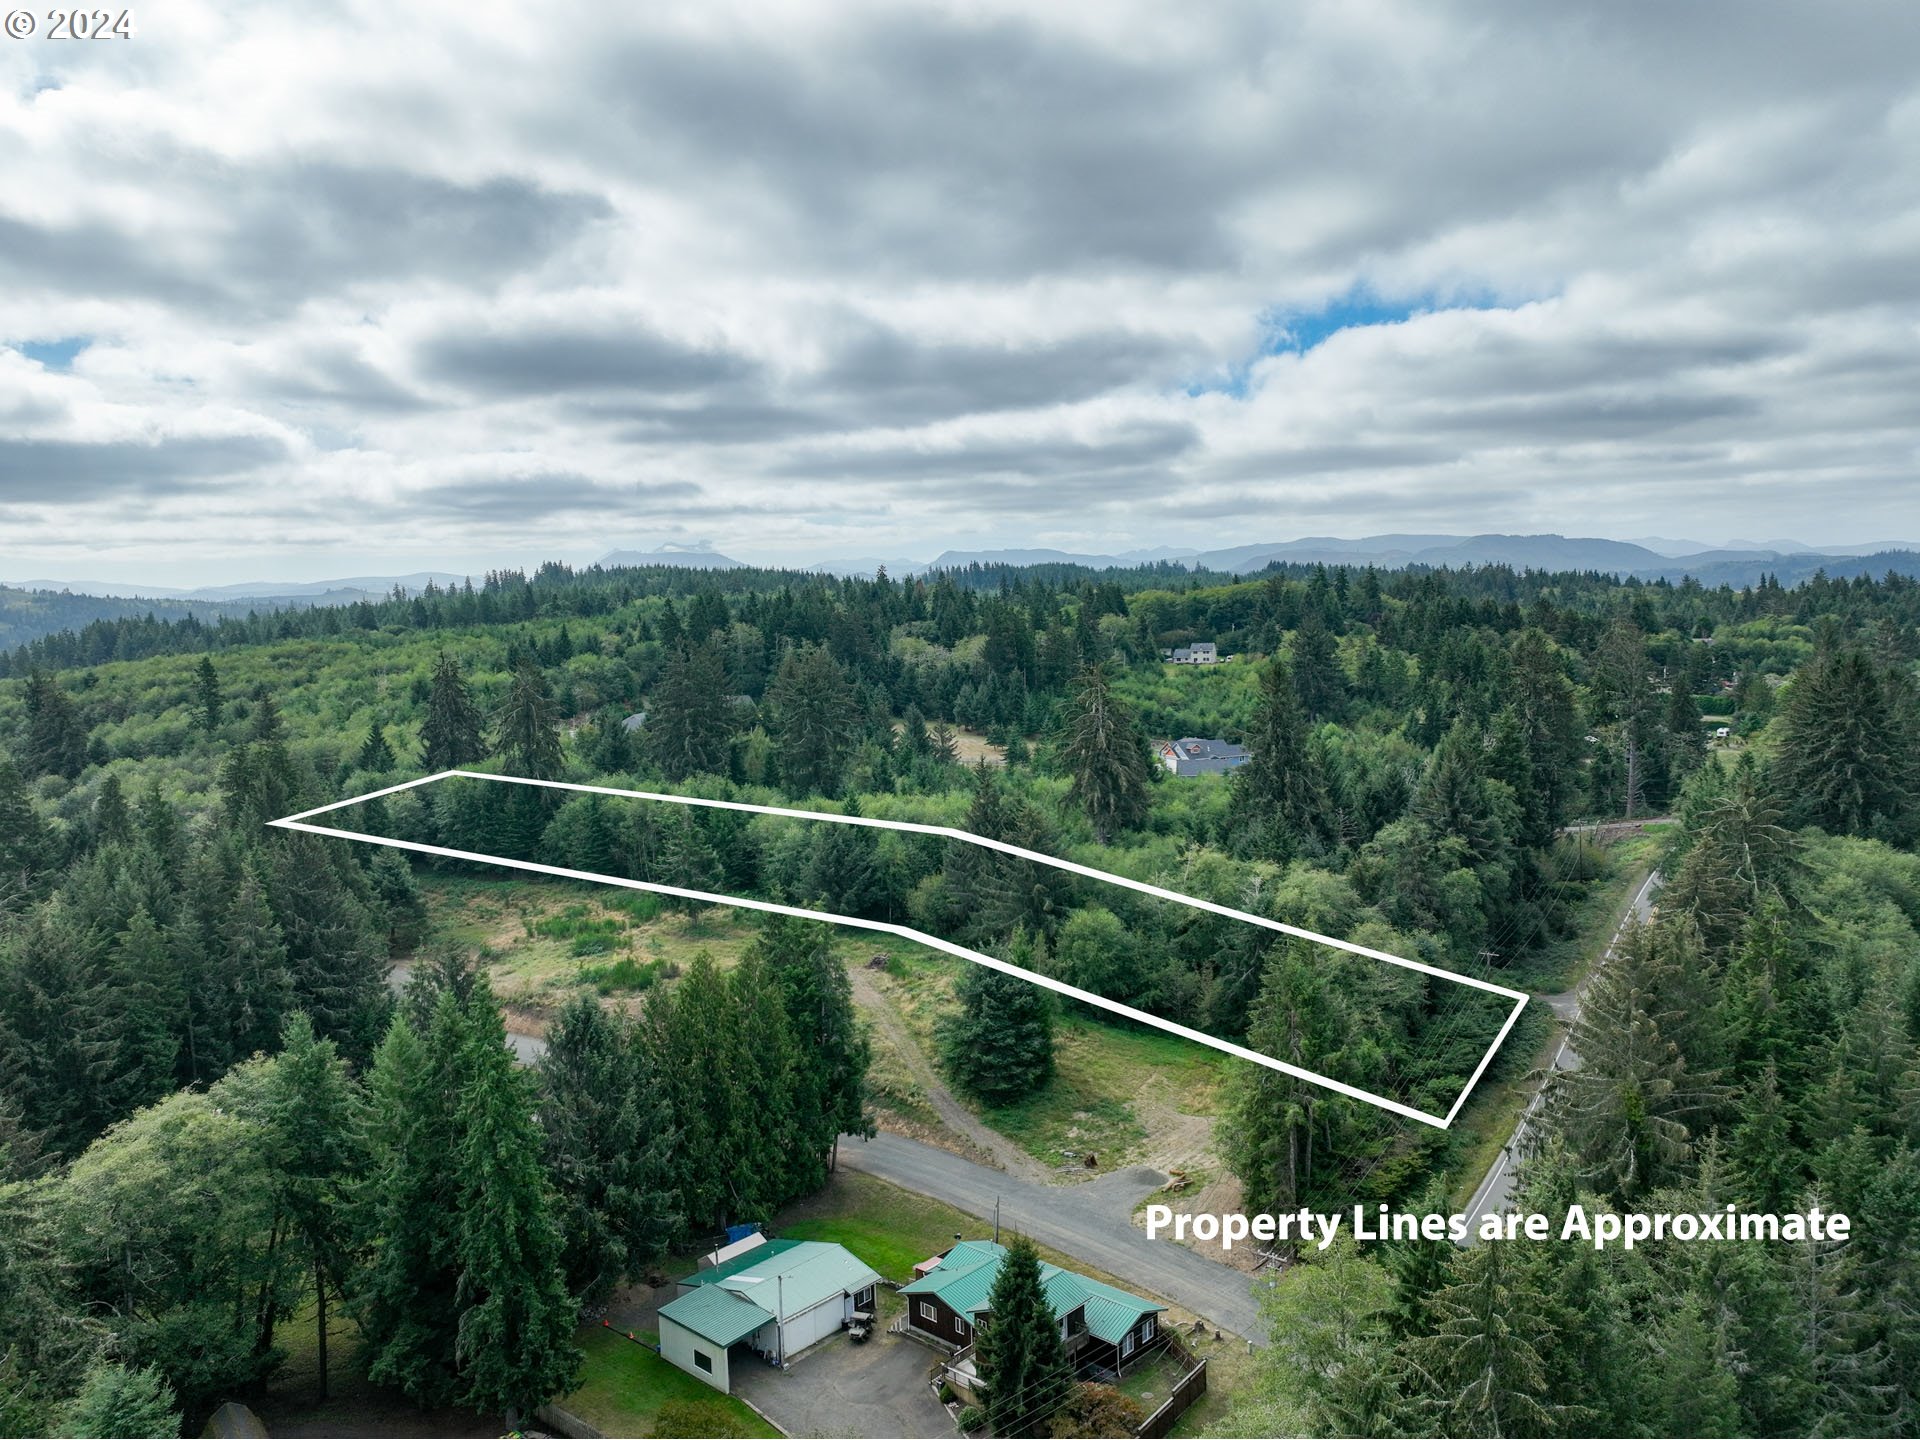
column 971, row 1417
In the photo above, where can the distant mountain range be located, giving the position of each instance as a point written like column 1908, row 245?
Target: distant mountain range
column 688, row 557
column 32, row 608
column 1736, row 564
column 326, row 592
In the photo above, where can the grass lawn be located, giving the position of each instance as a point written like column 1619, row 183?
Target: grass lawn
column 626, row 1389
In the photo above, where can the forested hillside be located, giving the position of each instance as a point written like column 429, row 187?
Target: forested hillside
column 186, row 994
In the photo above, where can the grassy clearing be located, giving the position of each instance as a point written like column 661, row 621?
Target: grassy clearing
column 1100, row 1070
column 540, row 940
column 626, row 1389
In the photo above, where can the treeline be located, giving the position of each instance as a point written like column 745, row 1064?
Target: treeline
column 1174, row 604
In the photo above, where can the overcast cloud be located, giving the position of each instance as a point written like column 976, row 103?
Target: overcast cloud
column 349, row 285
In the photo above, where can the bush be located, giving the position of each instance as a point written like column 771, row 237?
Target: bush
column 626, row 973
column 971, row 1417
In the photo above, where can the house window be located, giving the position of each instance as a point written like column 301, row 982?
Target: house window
column 1126, row 1344
column 703, row 1361
column 927, row 1311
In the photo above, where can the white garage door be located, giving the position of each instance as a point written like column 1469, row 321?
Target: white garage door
column 814, row 1325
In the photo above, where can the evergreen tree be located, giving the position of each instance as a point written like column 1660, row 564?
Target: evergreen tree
column 830, row 1086
column 777, row 1161
column 999, row 1044
column 406, row 1296
column 56, row 739
column 1482, row 1371
column 144, row 1003
column 376, row 755
column 206, row 693
column 526, row 734
column 1318, row 681
column 1022, row 1361
column 1849, row 757
column 686, row 859
column 1276, row 800
column 611, row 748
column 25, row 846
column 513, row 1335
column 112, row 819
column 814, row 720
column 1105, row 755
column 843, row 869
column 317, row 1127
column 117, row 1400
column 450, row 734
column 251, row 984
column 690, row 721
column 692, row 1035
column 1274, row 1117
column 1627, row 1113
column 609, row 1143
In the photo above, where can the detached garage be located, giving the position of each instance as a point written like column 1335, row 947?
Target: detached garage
column 772, row 1302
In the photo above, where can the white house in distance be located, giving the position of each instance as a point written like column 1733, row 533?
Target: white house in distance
column 773, row 1298
column 1201, row 652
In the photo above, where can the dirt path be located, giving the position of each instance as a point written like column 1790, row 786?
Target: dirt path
column 962, row 1121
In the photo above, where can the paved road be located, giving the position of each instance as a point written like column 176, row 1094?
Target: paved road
column 1090, row 1222
column 1495, row 1192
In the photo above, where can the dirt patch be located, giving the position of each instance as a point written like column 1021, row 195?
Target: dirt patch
column 1220, row 1194
column 970, row 747
column 1176, row 1140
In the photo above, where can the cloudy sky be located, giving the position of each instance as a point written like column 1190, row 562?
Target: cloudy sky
column 310, row 289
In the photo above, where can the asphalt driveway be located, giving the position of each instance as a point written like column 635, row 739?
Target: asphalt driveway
column 840, row 1388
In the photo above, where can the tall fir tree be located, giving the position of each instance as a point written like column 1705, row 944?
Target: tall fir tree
column 1024, row 1373
column 526, row 731
column 450, row 735
column 208, row 704
column 513, row 1321
column 814, row 723
column 1277, row 800
column 608, row 1142
column 56, row 741
column 998, row 1045
column 1105, row 756
column 317, row 1123
column 1849, row 757
column 690, row 722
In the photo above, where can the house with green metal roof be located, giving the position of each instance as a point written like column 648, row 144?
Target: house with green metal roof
column 771, row 1301
column 1102, row 1325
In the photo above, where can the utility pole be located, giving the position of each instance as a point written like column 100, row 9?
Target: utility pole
column 996, row 1219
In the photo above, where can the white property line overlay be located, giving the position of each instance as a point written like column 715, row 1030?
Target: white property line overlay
column 1086, row 997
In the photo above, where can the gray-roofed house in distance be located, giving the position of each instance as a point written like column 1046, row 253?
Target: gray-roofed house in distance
column 1193, row 756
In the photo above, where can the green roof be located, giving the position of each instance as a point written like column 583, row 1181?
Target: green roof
column 715, row 1314
column 787, row 1276
column 964, row 1282
column 800, row 1275
column 743, row 1261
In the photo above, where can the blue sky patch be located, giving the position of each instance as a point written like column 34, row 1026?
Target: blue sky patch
column 54, row 354
column 1296, row 331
